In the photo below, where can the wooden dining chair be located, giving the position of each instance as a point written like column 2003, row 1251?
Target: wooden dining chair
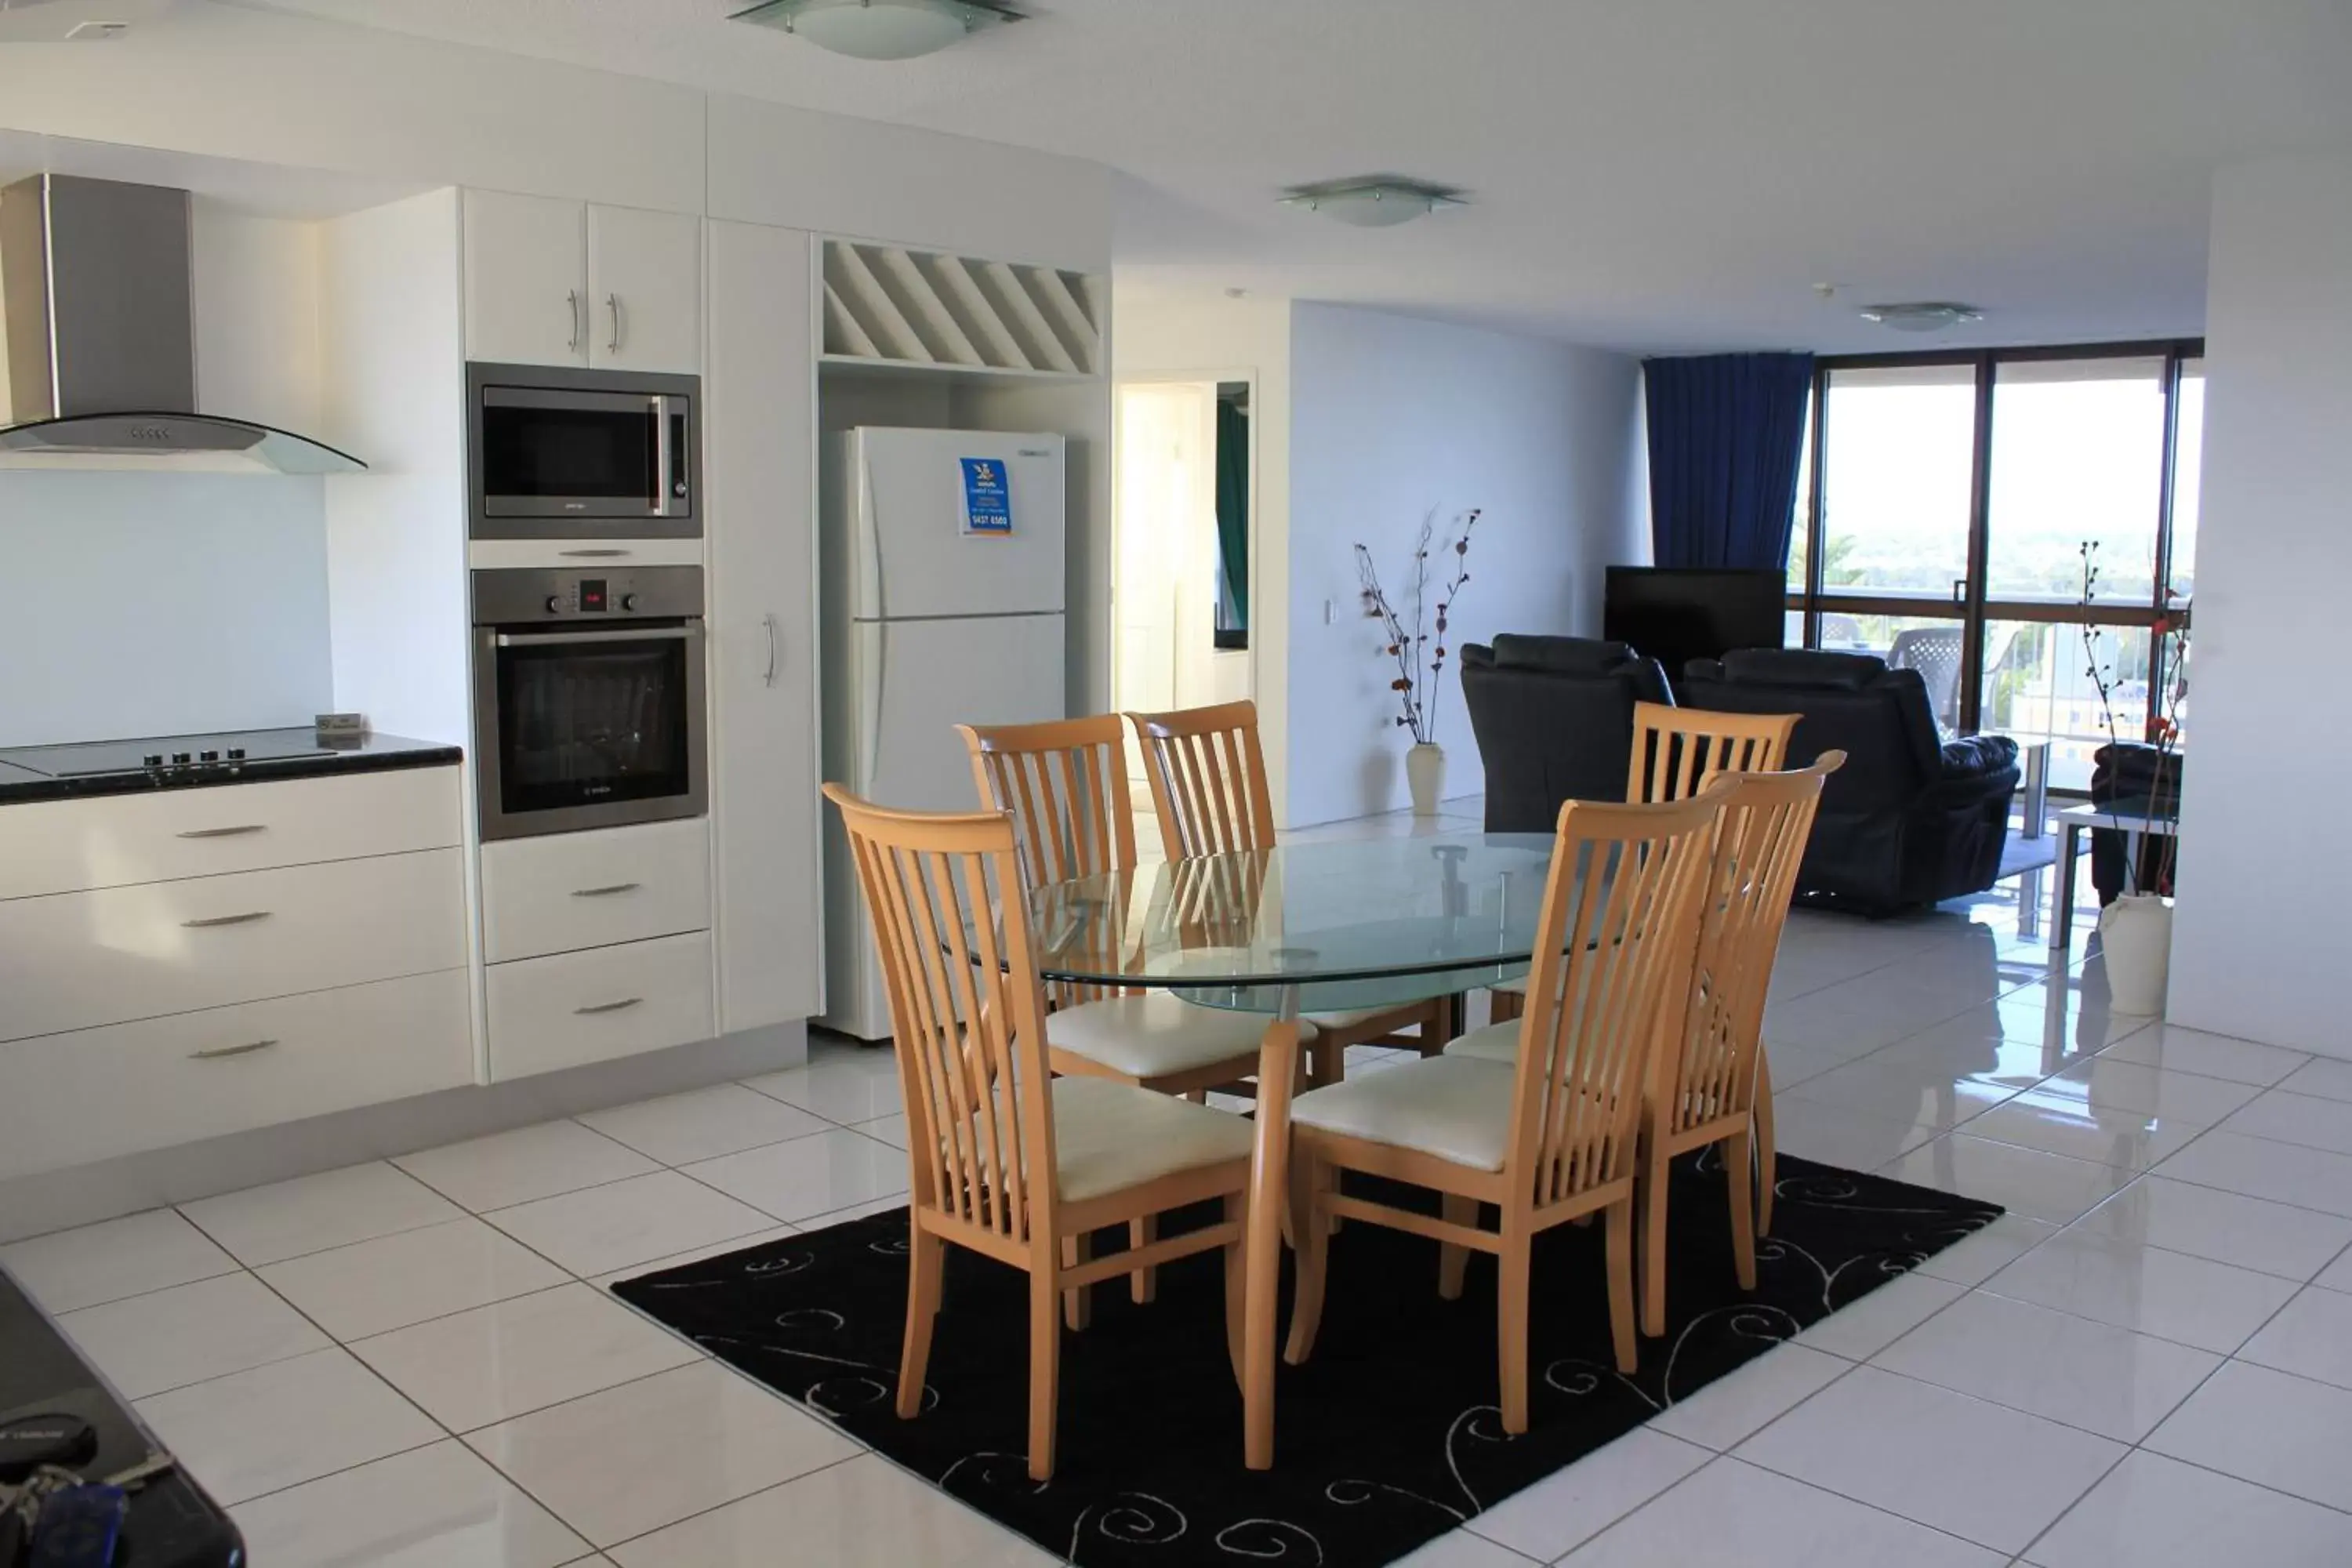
column 1207, row 773
column 1710, row 1084
column 1551, row 1137
column 1003, row 1157
column 1676, row 751
column 1065, row 784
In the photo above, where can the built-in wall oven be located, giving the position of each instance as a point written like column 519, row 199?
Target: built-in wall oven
column 554, row 453
column 588, row 698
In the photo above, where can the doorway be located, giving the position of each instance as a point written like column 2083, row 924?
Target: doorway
column 1184, row 538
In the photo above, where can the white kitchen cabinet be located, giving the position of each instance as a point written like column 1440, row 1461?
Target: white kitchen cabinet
column 76, row 961
column 560, row 892
column 573, row 283
column 758, row 481
column 159, row 1081
column 526, row 300
column 645, row 289
column 118, row 840
column 573, row 1008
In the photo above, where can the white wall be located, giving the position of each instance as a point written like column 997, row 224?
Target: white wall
column 155, row 603
column 1389, row 419
column 1212, row 337
column 2257, row 945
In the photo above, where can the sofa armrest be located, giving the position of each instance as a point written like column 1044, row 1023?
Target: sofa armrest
column 1974, row 756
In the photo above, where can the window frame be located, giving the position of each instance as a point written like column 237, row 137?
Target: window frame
column 1974, row 608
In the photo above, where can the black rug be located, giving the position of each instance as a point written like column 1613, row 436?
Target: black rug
column 1387, row 1437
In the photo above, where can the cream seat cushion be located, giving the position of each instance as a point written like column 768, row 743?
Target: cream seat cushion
column 1456, row 1108
column 1516, row 987
column 1108, row 1136
column 1495, row 1043
column 1348, row 1018
column 1155, row 1033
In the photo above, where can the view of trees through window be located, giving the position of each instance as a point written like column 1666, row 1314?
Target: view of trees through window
column 1950, row 502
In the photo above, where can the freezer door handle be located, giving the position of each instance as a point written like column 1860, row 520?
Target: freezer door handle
column 872, row 666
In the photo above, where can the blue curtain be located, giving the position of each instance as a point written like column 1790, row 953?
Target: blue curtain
column 1726, row 433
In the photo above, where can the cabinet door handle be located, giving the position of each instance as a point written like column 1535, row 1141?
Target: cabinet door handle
column 211, row 921
column 769, row 620
column 592, row 554
column 240, row 829
column 214, row 1053
column 613, row 303
column 605, row 893
column 609, row 1006
column 572, row 311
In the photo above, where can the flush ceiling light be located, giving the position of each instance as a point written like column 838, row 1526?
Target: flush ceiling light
column 1373, row 201
column 880, row 29
column 1922, row 315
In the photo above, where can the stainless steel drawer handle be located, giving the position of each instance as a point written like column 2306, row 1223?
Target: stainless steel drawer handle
column 608, row 1006
column 214, row 1053
column 606, row 892
column 592, row 554
column 210, row 920
column 241, row 828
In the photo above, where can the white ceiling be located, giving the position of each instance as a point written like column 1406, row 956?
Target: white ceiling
column 1648, row 173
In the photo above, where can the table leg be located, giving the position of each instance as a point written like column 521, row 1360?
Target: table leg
column 2062, row 916
column 1269, row 1191
column 2037, row 792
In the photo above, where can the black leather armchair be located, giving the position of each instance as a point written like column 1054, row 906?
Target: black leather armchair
column 1910, row 819
column 1554, row 718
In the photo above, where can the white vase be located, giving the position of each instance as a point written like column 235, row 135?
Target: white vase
column 2135, row 933
column 1424, row 771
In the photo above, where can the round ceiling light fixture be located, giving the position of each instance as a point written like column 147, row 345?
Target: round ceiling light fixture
column 1922, row 315
column 880, row 29
column 1373, row 201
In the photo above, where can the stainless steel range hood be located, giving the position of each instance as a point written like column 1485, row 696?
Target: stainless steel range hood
column 101, row 336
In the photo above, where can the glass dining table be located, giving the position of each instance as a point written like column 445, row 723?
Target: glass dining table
column 1303, row 928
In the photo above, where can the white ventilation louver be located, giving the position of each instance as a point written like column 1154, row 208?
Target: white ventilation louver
column 887, row 305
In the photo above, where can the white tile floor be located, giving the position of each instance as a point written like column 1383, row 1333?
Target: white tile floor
column 2146, row 1363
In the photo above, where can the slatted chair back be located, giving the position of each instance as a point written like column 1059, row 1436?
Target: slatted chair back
column 1615, row 939
column 1065, row 781
column 1677, row 751
column 1208, row 779
column 967, row 1015
column 1709, row 1071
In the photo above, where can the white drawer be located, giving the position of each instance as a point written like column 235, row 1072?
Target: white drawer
column 577, row 1008
column 74, row 961
column 98, row 1093
column 116, row 840
column 582, row 554
column 564, row 891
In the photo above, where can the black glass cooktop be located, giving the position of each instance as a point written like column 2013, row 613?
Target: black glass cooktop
column 171, row 762
column 99, row 757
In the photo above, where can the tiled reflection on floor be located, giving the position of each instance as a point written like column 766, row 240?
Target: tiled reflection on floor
column 2143, row 1364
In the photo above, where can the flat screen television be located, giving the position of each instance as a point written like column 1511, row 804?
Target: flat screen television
column 1676, row 614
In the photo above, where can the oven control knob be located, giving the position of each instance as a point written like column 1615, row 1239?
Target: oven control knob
column 555, row 603
column 629, row 603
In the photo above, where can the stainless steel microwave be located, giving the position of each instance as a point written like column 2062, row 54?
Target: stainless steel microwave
column 555, row 453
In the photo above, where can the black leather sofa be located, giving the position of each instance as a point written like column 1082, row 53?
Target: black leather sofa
column 1554, row 718
column 1910, row 819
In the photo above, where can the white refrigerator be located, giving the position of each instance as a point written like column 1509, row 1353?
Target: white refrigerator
column 943, row 571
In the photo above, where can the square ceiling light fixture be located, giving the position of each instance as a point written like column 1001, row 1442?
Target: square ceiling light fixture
column 880, row 29
column 1373, row 201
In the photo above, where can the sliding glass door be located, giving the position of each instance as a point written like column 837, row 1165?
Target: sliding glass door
column 1956, row 502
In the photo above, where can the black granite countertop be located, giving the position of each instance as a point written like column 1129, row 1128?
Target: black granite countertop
column 36, row 773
